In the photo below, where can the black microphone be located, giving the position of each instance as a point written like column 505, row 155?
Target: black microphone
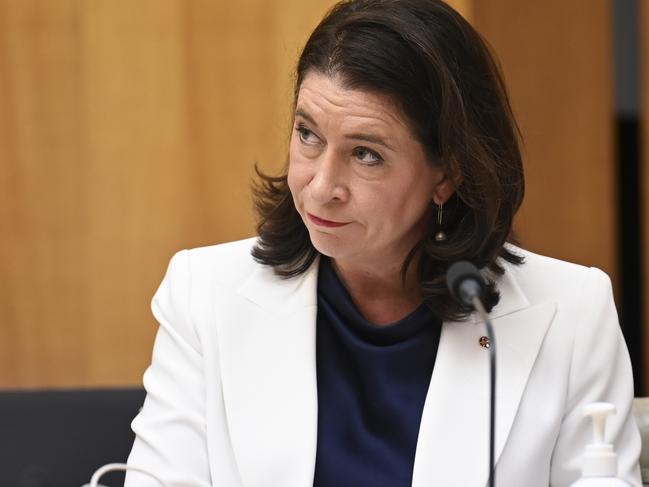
column 465, row 283
column 467, row 286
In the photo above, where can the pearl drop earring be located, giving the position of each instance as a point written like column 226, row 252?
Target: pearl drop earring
column 440, row 236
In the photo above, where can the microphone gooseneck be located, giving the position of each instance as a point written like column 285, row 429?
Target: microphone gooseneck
column 467, row 286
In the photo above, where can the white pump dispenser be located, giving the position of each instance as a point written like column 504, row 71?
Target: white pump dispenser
column 599, row 463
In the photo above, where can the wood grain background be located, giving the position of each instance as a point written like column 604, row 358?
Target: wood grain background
column 129, row 130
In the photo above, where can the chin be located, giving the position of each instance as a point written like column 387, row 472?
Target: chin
column 329, row 245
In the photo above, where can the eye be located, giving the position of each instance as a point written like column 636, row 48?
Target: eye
column 305, row 135
column 367, row 156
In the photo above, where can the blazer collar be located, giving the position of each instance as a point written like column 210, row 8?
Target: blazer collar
column 270, row 389
column 266, row 289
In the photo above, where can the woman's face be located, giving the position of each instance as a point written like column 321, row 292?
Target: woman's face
column 359, row 178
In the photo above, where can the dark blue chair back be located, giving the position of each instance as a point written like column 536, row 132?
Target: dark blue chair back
column 58, row 438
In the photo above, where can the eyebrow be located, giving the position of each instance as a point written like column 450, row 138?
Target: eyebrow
column 301, row 113
column 370, row 138
column 374, row 139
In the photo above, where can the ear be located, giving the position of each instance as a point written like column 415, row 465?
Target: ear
column 444, row 189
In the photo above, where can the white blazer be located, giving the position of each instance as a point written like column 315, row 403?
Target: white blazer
column 232, row 399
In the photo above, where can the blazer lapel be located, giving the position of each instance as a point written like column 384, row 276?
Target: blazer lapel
column 267, row 350
column 453, row 446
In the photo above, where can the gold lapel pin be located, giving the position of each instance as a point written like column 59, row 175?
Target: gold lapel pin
column 484, row 342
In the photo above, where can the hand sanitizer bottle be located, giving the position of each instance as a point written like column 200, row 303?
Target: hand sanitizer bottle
column 599, row 462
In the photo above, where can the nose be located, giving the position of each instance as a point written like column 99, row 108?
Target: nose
column 329, row 182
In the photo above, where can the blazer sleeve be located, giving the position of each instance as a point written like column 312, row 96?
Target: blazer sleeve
column 600, row 371
column 170, row 430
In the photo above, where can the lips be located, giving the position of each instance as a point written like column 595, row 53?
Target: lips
column 325, row 223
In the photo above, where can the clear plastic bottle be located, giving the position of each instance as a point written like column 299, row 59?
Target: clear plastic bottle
column 599, row 462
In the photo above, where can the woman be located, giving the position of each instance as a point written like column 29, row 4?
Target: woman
column 328, row 351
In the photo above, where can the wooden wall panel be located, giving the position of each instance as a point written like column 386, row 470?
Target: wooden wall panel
column 43, row 229
column 126, row 134
column 139, row 202
column 129, row 130
column 557, row 61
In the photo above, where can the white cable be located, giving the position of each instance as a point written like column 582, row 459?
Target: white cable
column 110, row 467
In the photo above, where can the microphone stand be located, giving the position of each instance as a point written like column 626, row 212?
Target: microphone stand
column 477, row 305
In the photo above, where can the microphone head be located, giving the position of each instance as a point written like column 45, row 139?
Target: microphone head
column 464, row 281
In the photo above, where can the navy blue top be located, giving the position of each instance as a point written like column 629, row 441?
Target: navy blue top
column 372, row 384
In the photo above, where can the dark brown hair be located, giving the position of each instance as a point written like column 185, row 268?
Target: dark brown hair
column 441, row 74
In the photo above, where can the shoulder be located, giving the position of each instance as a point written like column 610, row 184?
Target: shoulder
column 229, row 272
column 227, row 263
column 235, row 253
column 541, row 277
column 195, row 278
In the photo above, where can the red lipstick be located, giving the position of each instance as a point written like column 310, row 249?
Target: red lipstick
column 324, row 223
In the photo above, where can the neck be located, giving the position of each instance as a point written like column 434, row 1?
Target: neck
column 379, row 292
